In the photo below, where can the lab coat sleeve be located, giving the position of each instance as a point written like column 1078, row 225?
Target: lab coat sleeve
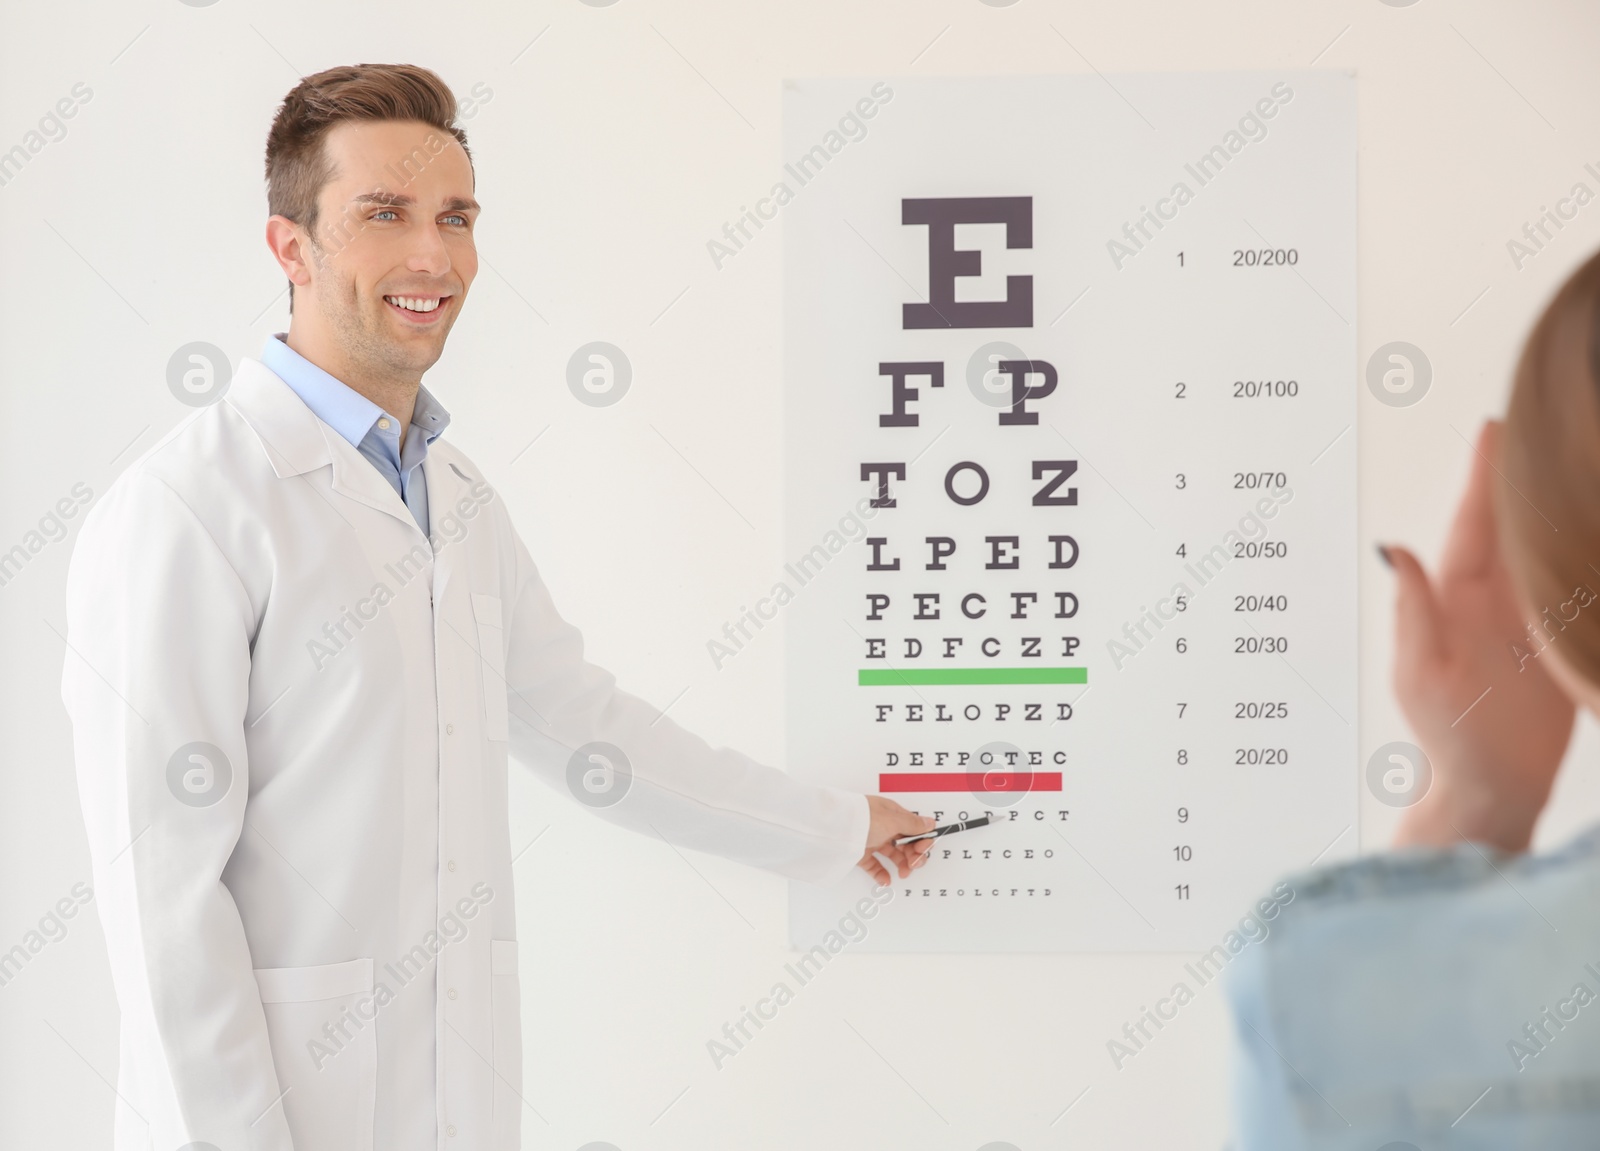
column 157, row 660
column 675, row 786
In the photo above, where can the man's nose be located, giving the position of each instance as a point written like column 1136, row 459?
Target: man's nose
column 429, row 253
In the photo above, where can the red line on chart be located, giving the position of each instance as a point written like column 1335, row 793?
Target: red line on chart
column 976, row 781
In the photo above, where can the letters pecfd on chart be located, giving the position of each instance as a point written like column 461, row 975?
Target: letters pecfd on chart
column 1070, row 395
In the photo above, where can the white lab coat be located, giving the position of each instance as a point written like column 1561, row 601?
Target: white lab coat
column 253, row 586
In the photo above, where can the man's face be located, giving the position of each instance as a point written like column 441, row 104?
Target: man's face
column 393, row 235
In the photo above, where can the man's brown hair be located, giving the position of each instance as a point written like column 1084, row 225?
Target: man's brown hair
column 1548, row 510
column 297, row 163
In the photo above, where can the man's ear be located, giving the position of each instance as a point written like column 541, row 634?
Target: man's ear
column 288, row 244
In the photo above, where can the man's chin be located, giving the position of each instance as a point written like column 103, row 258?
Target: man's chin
column 415, row 347
column 411, row 357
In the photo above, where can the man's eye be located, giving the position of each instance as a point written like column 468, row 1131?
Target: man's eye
column 458, row 219
column 383, row 212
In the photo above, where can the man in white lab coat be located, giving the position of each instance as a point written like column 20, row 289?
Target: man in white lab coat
column 303, row 637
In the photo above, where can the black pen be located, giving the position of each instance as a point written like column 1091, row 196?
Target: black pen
column 947, row 829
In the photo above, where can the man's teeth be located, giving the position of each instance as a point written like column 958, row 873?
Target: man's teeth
column 415, row 303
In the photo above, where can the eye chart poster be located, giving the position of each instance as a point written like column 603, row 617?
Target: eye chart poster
column 1070, row 493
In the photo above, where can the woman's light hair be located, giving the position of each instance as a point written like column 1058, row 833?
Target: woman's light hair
column 1548, row 508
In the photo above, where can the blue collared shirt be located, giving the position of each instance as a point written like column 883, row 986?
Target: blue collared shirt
column 369, row 429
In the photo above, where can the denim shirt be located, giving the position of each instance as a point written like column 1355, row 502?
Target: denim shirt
column 1436, row 998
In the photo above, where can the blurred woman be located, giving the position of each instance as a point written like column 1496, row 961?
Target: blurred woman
column 1447, row 994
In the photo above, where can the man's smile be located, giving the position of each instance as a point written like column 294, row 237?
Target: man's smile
column 418, row 309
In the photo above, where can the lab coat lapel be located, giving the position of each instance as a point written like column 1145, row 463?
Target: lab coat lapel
column 447, row 486
column 288, row 430
column 296, row 441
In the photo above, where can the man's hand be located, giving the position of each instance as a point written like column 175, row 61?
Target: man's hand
column 1494, row 726
column 890, row 822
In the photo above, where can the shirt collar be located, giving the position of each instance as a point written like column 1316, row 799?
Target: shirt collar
column 429, row 416
column 339, row 405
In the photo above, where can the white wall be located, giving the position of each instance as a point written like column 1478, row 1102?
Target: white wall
column 610, row 150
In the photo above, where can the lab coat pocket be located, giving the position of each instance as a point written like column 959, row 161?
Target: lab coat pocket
column 321, row 1022
column 506, row 1004
column 492, row 664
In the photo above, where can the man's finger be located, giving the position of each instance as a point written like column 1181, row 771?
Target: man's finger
column 871, row 865
column 899, row 857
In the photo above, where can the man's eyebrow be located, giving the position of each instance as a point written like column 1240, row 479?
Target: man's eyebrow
column 401, row 200
column 386, row 199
